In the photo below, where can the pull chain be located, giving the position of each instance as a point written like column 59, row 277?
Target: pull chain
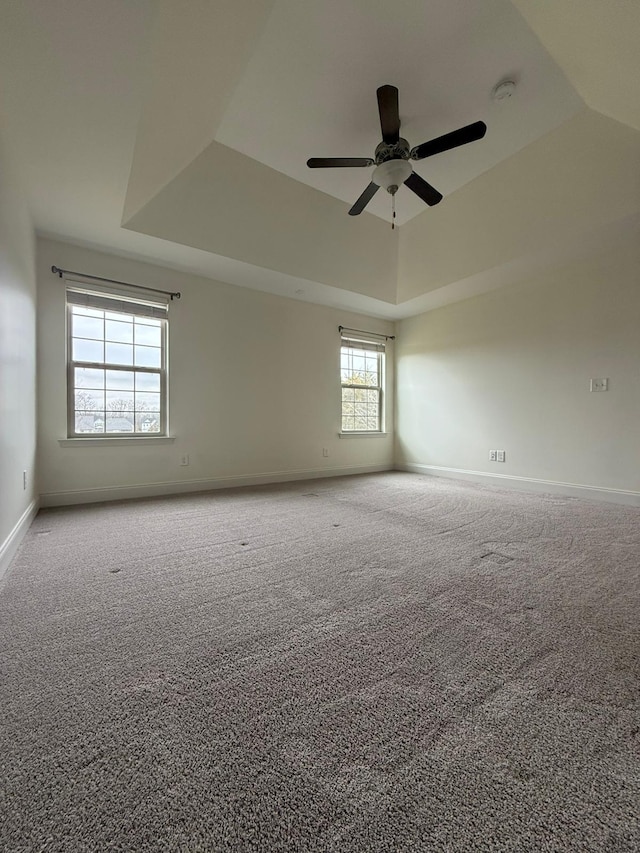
column 393, row 209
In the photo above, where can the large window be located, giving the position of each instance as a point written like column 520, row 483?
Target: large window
column 116, row 365
column 361, row 372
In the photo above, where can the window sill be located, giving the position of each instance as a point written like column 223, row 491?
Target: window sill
column 116, row 440
column 362, row 434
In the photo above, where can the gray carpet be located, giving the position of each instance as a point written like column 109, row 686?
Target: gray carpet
column 379, row 663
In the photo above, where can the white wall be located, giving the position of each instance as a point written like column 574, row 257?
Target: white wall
column 510, row 370
column 254, row 389
column 17, row 364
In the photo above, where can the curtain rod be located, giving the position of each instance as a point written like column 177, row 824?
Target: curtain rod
column 175, row 295
column 362, row 332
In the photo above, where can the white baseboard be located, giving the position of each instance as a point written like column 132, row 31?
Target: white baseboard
column 11, row 544
column 149, row 490
column 528, row 484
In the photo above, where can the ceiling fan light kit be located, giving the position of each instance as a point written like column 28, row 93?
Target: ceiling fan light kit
column 392, row 155
column 391, row 174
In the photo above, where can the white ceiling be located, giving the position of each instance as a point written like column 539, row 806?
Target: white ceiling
column 71, row 84
column 76, row 76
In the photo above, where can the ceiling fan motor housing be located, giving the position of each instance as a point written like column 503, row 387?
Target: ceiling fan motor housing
column 396, row 151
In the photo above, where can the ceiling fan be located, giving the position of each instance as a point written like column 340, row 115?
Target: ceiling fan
column 392, row 155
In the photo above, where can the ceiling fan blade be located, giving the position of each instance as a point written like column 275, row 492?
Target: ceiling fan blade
column 450, row 140
column 421, row 188
column 389, row 114
column 338, row 162
column 364, row 199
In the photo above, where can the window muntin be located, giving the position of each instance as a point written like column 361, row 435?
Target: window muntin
column 361, row 372
column 116, row 366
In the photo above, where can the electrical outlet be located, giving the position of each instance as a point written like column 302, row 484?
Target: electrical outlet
column 599, row 385
column 325, row 451
column 184, row 459
column 493, row 456
column 501, row 456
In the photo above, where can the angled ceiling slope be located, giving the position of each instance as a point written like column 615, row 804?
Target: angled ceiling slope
column 239, row 97
column 596, row 45
column 194, row 62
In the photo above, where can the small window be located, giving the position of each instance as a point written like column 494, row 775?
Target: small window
column 116, row 365
column 361, row 372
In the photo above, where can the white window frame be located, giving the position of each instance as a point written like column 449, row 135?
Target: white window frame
column 117, row 302
column 351, row 341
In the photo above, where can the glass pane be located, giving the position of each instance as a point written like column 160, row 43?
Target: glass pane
column 146, row 400
column 88, row 377
column 119, row 401
column 148, row 335
column 147, row 381
column 371, row 371
column 89, row 422
column 87, row 327
column 147, row 357
column 120, row 380
column 359, row 367
column 360, row 409
column 83, row 350
column 88, row 401
column 119, row 422
column 148, row 422
column 149, row 321
column 120, row 332
column 119, row 353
